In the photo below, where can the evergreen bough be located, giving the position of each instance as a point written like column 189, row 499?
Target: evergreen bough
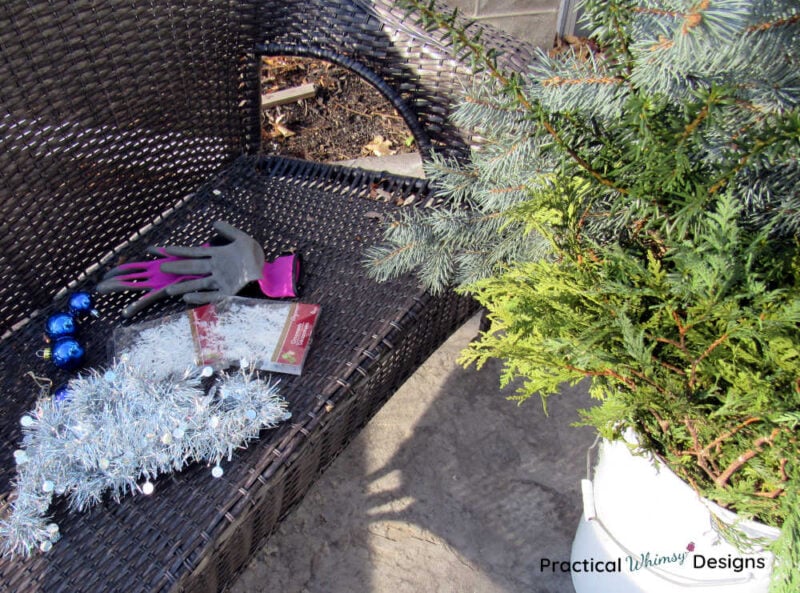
column 632, row 216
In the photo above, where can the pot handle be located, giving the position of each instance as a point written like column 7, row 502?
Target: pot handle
column 587, row 492
column 587, row 488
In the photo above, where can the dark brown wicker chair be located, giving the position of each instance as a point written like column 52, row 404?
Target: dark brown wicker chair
column 119, row 120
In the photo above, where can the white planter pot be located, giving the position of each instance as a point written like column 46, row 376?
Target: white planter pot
column 644, row 530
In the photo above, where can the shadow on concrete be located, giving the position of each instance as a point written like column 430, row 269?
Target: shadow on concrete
column 450, row 488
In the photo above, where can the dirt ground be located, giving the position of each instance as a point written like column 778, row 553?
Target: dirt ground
column 347, row 118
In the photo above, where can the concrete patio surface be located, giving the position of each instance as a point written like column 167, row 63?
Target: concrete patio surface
column 449, row 488
column 409, row 164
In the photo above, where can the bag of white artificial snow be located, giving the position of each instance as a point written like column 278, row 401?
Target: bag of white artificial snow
column 270, row 335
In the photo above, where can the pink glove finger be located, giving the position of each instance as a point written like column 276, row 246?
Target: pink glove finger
column 152, row 276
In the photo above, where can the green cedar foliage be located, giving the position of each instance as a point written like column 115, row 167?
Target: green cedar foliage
column 632, row 217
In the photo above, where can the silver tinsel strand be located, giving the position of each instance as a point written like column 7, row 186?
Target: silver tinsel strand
column 117, row 430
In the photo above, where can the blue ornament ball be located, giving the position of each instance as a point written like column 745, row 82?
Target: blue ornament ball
column 81, row 303
column 59, row 325
column 66, row 353
column 61, row 394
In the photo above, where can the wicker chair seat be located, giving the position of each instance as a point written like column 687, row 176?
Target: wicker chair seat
column 127, row 124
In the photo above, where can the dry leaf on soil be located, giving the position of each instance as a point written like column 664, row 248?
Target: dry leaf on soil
column 278, row 129
column 379, row 147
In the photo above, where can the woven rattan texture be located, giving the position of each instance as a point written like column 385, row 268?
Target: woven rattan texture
column 114, row 111
column 369, row 339
column 119, row 119
column 111, row 111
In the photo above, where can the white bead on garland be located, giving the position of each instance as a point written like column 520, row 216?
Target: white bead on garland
column 117, row 430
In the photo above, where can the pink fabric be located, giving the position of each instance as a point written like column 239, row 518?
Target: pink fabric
column 280, row 277
column 149, row 274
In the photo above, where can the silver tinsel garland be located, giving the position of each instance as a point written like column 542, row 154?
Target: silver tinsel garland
column 118, row 429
